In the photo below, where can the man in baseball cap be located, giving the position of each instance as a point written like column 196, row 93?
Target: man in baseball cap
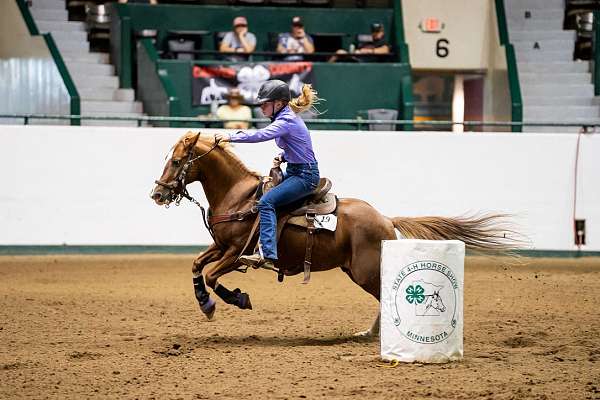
column 296, row 42
column 239, row 40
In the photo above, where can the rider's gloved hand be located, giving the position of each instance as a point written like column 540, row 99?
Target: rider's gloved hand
column 277, row 161
column 222, row 137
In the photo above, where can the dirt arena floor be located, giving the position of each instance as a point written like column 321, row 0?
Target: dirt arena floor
column 129, row 327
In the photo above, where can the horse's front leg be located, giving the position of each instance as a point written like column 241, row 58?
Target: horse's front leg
column 220, row 268
column 207, row 305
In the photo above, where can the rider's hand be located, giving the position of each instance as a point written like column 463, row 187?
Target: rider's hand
column 222, row 137
column 277, row 161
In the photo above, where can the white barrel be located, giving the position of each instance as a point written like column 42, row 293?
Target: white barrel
column 422, row 284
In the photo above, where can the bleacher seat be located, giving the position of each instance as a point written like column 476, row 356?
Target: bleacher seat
column 180, row 42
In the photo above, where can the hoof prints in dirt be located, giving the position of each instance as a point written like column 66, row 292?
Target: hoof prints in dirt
column 84, row 355
column 518, row 341
column 10, row 366
column 174, row 351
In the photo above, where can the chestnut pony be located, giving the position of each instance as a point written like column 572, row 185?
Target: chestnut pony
column 354, row 246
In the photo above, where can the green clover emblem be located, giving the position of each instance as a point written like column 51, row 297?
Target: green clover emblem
column 415, row 294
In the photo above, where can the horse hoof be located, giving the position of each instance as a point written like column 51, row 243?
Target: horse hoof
column 244, row 301
column 209, row 309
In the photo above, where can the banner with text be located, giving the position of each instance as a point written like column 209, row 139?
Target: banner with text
column 212, row 82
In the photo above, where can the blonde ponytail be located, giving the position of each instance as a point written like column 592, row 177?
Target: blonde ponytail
column 306, row 101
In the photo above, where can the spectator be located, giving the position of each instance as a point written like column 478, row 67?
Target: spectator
column 377, row 45
column 235, row 110
column 239, row 40
column 296, row 42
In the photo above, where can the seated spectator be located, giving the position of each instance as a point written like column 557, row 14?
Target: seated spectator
column 234, row 109
column 296, row 42
column 238, row 41
column 377, row 45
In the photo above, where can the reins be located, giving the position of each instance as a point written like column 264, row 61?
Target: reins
column 179, row 181
column 209, row 221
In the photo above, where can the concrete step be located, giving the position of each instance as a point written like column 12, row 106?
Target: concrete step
column 544, row 56
column 558, row 101
column 90, row 69
column 85, row 57
column 86, row 81
column 49, row 4
column 557, row 90
column 63, row 26
column 558, row 113
column 518, row 14
column 555, row 24
column 69, row 36
column 106, row 94
column 516, row 34
column 554, row 67
column 74, row 46
column 110, row 107
column 534, row 4
column 543, row 45
column 49, row 15
column 541, row 78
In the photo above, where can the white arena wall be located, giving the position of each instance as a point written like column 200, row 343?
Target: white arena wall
column 91, row 185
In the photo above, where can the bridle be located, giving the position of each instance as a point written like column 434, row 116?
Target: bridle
column 179, row 182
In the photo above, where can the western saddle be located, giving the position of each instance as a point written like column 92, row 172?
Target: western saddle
column 302, row 214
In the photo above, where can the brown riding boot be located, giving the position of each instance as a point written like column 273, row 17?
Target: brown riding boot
column 256, row 261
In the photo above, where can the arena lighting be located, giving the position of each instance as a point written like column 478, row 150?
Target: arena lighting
column 431, row 25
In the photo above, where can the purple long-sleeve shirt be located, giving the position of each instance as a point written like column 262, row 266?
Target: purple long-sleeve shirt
column 290, row 134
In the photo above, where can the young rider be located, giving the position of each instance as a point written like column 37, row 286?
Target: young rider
column 302, row 173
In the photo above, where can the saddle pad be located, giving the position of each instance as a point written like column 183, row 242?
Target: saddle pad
column 327, row 222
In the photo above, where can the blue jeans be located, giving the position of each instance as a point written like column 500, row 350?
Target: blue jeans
column 299, row 181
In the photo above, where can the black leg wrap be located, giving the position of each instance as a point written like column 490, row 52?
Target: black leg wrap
column 200, row 290
column 237, row 298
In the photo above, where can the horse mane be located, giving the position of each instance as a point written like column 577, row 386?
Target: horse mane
column 227, row 150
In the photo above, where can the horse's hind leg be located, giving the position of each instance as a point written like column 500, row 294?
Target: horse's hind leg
column 364, row 271
column 220, row 268
column 364, row 268
column 207, row 305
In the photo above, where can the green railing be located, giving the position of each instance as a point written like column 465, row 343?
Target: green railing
column 408, row 105
column 511, row 65
column 358, row 122
column 75, row 103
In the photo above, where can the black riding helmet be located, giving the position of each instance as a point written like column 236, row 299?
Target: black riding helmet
column 273, row 90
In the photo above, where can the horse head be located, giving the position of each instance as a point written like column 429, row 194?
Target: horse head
column 171, row 184
column 436, row 301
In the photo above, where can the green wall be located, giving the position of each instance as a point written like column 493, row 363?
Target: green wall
column 347, row 88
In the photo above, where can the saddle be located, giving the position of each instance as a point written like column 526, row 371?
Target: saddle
column 301, row 214
column 319, row 202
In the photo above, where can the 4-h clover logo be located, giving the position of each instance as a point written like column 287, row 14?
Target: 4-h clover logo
column 415, row 294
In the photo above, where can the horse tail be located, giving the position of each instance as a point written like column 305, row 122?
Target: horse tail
column 491, row 233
